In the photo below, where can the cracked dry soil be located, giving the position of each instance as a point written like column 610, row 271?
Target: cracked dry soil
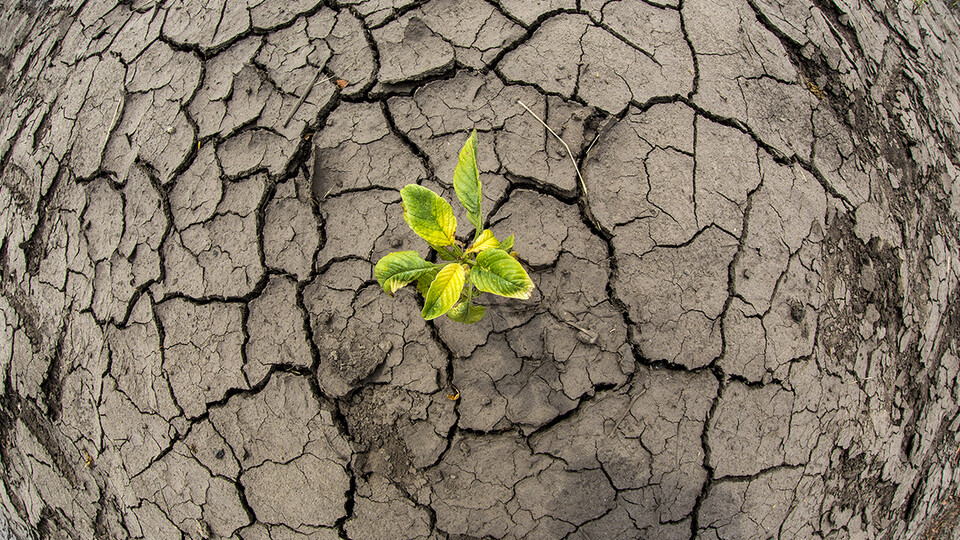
column 746, row 326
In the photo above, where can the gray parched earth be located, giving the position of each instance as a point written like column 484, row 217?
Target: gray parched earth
column 746, row 316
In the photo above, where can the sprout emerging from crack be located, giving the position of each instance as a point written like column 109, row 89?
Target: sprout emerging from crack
column 488, row 265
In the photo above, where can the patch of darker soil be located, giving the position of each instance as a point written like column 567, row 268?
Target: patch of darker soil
column 371, row 415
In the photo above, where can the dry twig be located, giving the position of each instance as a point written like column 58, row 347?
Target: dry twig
column 304, row 96
column 554, row 133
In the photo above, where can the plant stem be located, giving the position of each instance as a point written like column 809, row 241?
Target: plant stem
column 466, row 315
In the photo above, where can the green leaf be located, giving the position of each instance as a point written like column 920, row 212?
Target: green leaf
column 484, row 242
column 498, row 273
column 444, row 291
column 459, row 313
column 395, row 270
column 424, row 281
column 446, row 255
column 507, row 244
column 466, row 181
column 429, row 216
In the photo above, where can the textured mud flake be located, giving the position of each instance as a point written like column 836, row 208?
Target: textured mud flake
column 724, row 174
column 381, row 509
column 8, row 324
column 610, row 80
column 221, row 104
column 641, row 176
column 569, row 55
column 746, row 341
column 92, row 122
column 475, row 29
column 265, row 14
column 212, row 451
column 152, row 129
column 762, row 503
column 410, row 51
column 220, row 256
column 437, row 119
column 559, row 500
column 152, row 126
column 254, row 150
column 46, row 486
column 741, row 68
column 103, row 220
column 139, row 31
column 356, row 149
column 550, row 58
column 647, row 441
column 207, row 25
column 250, row 94
column 780, row 114
column 149, row 521
column 369, row 336
column 112, row 288
column 500, row 388
column 137, row 436
column 543, row 227
column 749, row 430
column 322, row 486
column 27, row 370
column 375, row 12
column 353, row 223
column 528, row 11
column 676, row 295
column 730, row 42
column 202, row 351
column 275, row 324
column 589, row 343
column 291, row 233
column 834, row 155
column 282, row 421
column 62, row 119
column 290, row 59
column 352, row 58
column 473, row 487
column 791, row 323
column 789, row 207
column 197, row 192
column 145, row 223
column 186, row 493
column 103, row 223
column 260, row 531
column 83, row 360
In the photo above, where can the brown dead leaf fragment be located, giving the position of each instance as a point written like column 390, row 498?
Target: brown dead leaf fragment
column 455, row 395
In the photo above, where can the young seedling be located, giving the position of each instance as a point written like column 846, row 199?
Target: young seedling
column 487, row 265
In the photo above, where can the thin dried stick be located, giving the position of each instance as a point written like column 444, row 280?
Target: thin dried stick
column 304, row 96
column 569, row 153
column 116, row 118
column 627, row 412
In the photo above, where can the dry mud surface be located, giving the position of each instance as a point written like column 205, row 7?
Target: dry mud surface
column 745, row 323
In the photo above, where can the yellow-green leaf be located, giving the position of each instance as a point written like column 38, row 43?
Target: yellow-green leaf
column 507, row 244
column 466, row 181
column 429, row 216
column 395, row 270
column 485, row 242
column 424, row 281
column 498, row 273
column 444, row 291
column 460, row 313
